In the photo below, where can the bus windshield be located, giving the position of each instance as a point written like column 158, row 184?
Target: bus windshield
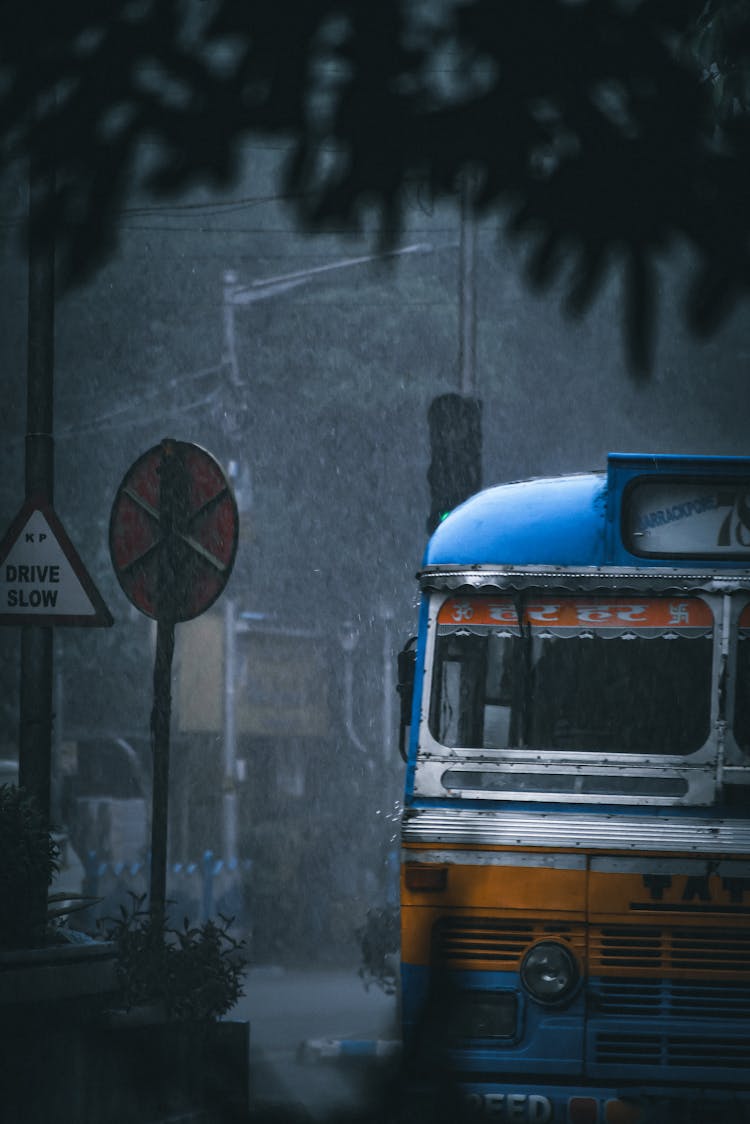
column 616, row 675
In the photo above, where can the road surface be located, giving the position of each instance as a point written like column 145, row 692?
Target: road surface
column 299, row 1022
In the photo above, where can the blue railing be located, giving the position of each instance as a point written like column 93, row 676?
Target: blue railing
column 196, row 890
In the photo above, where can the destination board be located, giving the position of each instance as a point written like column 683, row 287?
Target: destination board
column 684, row 517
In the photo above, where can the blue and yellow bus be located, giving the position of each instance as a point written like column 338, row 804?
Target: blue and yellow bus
column 575, row 877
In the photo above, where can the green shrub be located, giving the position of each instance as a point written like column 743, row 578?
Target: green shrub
column 195, row 972
column 29, row 860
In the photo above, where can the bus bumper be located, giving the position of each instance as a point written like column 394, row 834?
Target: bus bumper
column 521, row 1103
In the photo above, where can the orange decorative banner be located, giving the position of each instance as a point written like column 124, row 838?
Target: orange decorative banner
column 620, row 614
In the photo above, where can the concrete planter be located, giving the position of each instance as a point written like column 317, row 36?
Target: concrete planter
column 48, row 998
column 71, row 1056
column 164, row 1070
column 126, row 1073
column 57, row 973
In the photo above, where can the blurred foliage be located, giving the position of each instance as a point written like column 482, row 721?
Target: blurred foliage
column 30, row 858
column 195, row 972
column 379, row 939
column 720, row 44
column 605, row 130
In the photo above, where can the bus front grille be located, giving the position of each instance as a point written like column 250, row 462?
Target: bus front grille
column 670, row 998
column 495, row 943
column 671, row 1051
column 656, row 950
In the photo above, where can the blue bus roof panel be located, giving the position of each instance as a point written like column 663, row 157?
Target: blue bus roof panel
column 562, row 520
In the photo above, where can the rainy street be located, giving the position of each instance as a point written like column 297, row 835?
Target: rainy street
column 299, row 1020
column 374, row 561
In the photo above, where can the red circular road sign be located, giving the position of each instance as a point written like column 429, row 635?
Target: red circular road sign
column 201, row 535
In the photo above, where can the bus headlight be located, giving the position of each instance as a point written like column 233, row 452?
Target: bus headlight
column 549, row 972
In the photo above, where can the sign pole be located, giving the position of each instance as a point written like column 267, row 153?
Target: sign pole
column 35, row 732
column 173, row 507
column 173, row 538
column 160, row 723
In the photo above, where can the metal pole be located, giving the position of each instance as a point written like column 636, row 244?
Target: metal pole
column 230, row 733
column 467, row 291
column 56, row 772
column 171, row 583
column 230, row 339
column 35, row 727
column 349, row 639
column 388, row 687
column 160, row 722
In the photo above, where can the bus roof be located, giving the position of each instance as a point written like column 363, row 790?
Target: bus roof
column 557, row 520
column 576, row 520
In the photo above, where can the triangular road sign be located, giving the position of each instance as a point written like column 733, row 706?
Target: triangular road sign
column 42, row 579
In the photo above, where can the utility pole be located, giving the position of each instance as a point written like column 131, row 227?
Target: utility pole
column 455, row 420
column 467, row 324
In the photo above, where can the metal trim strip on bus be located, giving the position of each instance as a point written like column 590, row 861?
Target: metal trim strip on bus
column 609, row 864
column 576, row 831
column 452, row 578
